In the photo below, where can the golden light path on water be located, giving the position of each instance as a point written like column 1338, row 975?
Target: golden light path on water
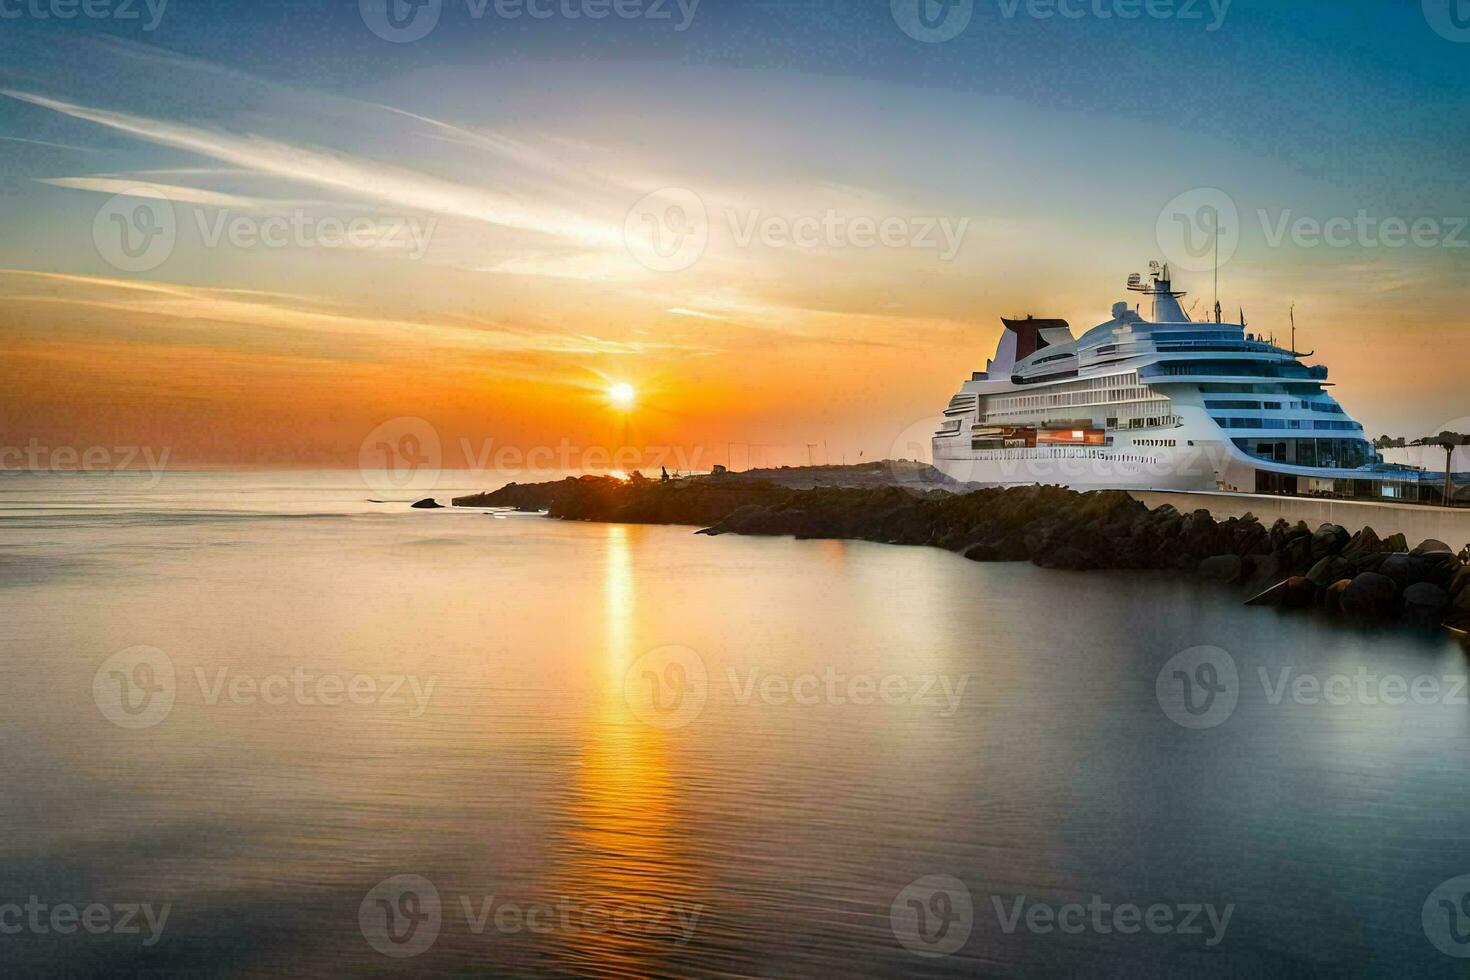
column 621, row 860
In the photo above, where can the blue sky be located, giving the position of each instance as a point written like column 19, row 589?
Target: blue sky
column 1061, row 144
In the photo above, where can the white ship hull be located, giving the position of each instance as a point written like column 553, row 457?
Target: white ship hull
column 1160, row 402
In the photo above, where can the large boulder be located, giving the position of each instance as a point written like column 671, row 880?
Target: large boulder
column 1370, row 596
column 428, row 503
column 1432, row 546
column 1461, row 582
column 1396, row 542
column 1329, row 539
column 1365, row 542
column 1458, row 613
column 1332, row 595
column 1330, row 569
column 1425, row 603
column 1404, row 569
column 1221, row 568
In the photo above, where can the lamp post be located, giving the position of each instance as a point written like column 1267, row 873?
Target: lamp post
column 1449, row 469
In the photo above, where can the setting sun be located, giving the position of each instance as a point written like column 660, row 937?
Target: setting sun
column 622, row 395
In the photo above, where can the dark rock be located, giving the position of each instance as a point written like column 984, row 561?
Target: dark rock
column 1300, row 592
column 1425, row 603
column 1332, row 595
column 1329, row 539
column 428, row 503
column 1396, row 542
column 1365, row 542
column 1331, row 569
column 1404, row 569
column 1431, row 546
column 1370, row 596
column 1460, row 582
column 1221, row 568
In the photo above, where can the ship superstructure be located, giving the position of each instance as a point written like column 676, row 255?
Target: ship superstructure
column 1151, row 399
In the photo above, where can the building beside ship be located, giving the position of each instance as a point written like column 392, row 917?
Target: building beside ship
column 1153, row 400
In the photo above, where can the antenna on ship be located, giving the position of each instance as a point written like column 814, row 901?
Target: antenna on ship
column 1217, row 274
column 1292, row 314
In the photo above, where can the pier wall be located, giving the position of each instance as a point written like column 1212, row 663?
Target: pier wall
column 1450, row 525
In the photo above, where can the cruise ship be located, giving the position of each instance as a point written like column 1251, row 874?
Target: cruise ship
column 1153, row 400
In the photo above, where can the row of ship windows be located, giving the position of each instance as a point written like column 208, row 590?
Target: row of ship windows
column 1016, row 402
column 1265, row 406
column 1241, row 423
column 1112, row 381
column 1156, row 442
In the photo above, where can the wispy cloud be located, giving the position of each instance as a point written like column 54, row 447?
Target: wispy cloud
column 194, row 308
column 355, row 176
column 172, row 192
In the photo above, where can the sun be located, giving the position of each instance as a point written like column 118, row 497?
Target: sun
column 622, row 395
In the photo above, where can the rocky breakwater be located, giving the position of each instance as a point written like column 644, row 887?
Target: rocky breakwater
column 698, row 501
column 1358, row 576
column 1354, row 575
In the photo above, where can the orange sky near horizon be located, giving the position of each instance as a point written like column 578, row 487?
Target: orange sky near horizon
column 532, row 289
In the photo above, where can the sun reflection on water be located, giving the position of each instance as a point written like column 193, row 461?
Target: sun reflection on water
column 620, row 848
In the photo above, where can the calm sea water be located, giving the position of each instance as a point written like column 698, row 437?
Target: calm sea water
column 313, row 735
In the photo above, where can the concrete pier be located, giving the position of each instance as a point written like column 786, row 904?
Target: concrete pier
column 1450, row 525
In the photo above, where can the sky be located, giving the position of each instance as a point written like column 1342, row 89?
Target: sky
column 279, row 233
